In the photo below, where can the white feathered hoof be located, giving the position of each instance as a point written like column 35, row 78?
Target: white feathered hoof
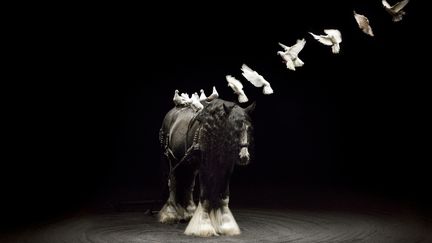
column 189, row 212
column 223, row 221
column 200, row 224
column 168, row 214
column 229, row 225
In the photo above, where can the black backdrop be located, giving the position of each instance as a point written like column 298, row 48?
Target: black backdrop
column 97, row 82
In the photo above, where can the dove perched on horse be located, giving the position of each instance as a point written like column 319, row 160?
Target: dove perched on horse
column 180, row 100
column 186, row 97
column 202, row 95
column 214, row 95
column 196, row 103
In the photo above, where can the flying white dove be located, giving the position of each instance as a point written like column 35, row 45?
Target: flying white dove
column 202, row 96
column 214, row 95
column 196, row 103
column 333, row 38
column 396, row 10
column 256, row 79
column 237, row 87
column 363, row 23
column 290, row 55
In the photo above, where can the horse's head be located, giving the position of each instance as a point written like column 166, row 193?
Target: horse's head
column 241, row 124
column 228, row 131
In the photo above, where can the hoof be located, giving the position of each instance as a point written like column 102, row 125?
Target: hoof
column 223, row 221
column 189, row 212
column 228, row 227
column 200, row 224
column 168, row 215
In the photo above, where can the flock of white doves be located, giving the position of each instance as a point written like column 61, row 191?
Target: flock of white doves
column 289, row 56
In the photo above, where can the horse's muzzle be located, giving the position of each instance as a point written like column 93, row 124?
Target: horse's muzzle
column 244, row 156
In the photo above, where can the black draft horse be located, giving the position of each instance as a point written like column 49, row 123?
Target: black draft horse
column 209, row 143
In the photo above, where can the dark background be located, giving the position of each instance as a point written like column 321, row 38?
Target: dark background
column 96, row 83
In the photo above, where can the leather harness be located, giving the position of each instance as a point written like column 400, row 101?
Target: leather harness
column 195, row 146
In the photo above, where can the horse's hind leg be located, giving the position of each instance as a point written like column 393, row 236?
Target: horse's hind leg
column 180, row 204
column 169, row 212
column 185, row 183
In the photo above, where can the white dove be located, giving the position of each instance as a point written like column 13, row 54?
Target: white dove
column 202, row 96
column 185, row 95
column 396, row 10
column 256, row 79
column 237, row 87
column 196, row 103
column 363, row 23
column 333, row 38
column 186, row 98
column 178, row 100
column 290, row 55
column 214, row 95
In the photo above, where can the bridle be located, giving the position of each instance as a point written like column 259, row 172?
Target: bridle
column 244, row 140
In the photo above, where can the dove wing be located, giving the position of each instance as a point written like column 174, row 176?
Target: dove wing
column 298, row 62
column 362, row 21
column 251, row 76
column 286, row 48
column 323, row 39
column 290, row 65
column 400, row 5
column 385, row 4
column 295, row 49
column 234, row 81
column 255, row 80
column 335, row 34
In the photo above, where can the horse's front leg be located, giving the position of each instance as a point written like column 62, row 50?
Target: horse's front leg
column 200, row 223
column 223, row 220
column 213, row 215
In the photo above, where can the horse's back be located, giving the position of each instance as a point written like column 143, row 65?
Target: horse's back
column 176, row 124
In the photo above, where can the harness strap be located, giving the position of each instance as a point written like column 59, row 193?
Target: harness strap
column 244, row 145
column 194, row 147
column 170, row 155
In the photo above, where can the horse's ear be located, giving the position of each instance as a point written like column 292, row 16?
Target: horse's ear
column 250, row 108
column 228, row 108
